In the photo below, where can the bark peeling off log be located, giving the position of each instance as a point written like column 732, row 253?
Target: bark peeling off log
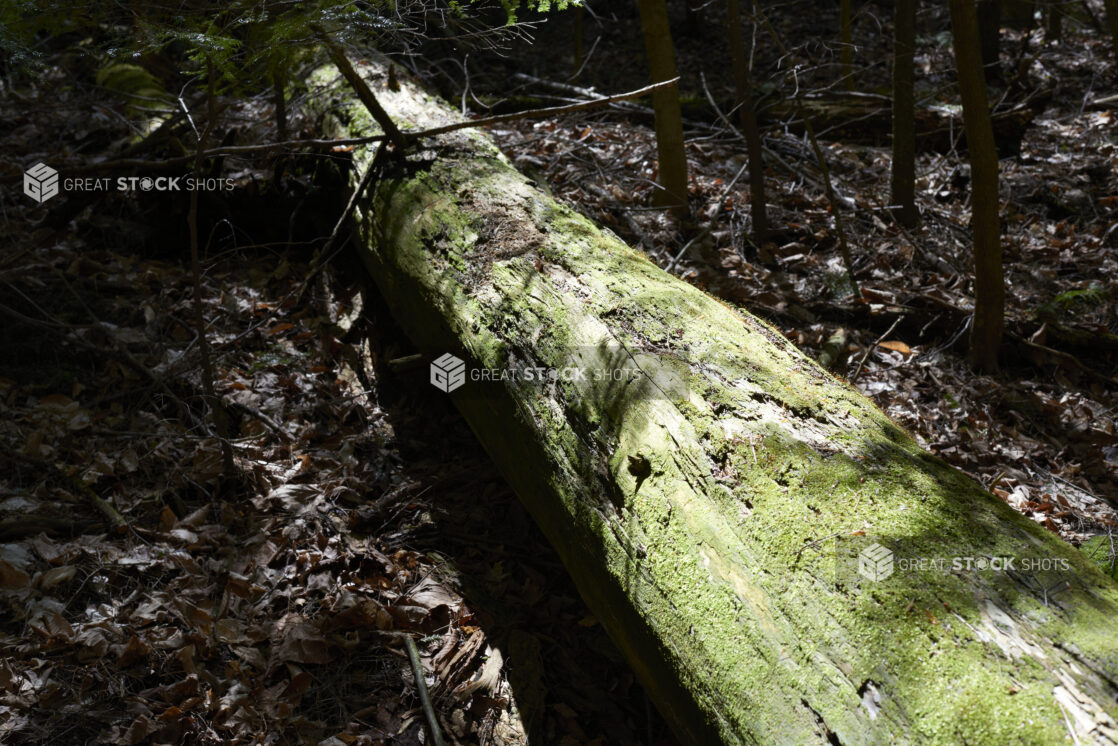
column 690, row 507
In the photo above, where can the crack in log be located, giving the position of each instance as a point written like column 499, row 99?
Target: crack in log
column 830, row 735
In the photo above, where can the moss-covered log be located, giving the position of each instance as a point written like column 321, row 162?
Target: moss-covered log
column 713, row 507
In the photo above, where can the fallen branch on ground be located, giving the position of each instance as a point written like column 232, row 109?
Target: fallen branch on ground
column 350, row 142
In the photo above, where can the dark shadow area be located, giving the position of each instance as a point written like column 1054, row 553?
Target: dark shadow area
column 565, row 675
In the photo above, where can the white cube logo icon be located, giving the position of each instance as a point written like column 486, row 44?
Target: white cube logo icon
column 448, row 373
column 40, row 182
column 875, row 562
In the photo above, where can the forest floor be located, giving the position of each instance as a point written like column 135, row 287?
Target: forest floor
column 270, row 606
column 1042, row 434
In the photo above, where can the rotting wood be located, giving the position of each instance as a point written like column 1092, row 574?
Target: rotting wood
column 689, row 503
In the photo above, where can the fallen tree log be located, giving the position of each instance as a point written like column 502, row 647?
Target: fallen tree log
column 863, row 119
column 867, row 119
column 776, row 559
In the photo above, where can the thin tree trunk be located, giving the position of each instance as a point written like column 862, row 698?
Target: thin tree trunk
column 669, row 124
column 580, row 11
column 727, row 510
column 989, row 15
column 279, row 99
column 903, row 193
column 1054, row 27
column 213, row 402
column 1112, row 24
column 989, row 281
column 748, row 121
column 846, row 53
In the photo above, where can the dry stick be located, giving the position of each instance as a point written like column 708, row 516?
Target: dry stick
column 312, row 144
column 558, row 86
column 807, row 178
column 370, row 173
column 50, row 322
column 127, row 357
column 872, row 347
column 424, row 696
column 918, row 248
column 844, row 247
column 585, row 93
column 594, row 95
column 718, row 110
column 368, row 98
column 710, row 225
column 412, row 136
column 116, row 520
column 267, row 421
column 547, row 112
column 326, row 253
column 220, row 420
column 368, row 140
column 816, row 543
column 1064, row 357
column 810, row 131
column 1018, row 65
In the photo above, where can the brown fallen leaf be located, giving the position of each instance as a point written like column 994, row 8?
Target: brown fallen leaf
column 297, row 640
column 131, row 653
column 94, row 643
column 896, row 346
column 368, row 613
column 52, row 624
column 408, row 616
column 230, row 631
column 430, row 594
column 239, row 585
column 12, row 577
column 167, row 518
column 171, row 714
column 33, row 446
column 138, row 732
column 198, row 618
column 47, row 549
column 295, row 688
column 56, row 576
column 196, row 519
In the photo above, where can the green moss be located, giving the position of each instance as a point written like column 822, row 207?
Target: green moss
column 714, row 572
column 1101, row 550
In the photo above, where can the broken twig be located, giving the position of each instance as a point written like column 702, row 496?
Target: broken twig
column 424, row 696
column 368, row 98
column 549, row 111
